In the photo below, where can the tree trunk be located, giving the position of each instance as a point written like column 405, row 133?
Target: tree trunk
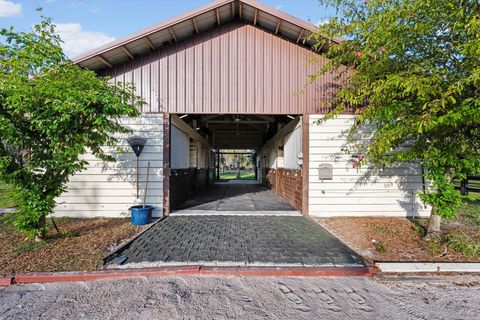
column 434, row 224
column 238, row 167
column 42, row 234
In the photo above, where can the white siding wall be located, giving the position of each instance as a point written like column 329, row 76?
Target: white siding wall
column 108, row 189
column 179, row 148
column 292, row 147
column 357, row 192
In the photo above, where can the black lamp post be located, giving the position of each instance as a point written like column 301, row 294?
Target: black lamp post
column 137, row 144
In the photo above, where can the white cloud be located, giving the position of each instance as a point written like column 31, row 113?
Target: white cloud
column 279, row 6
column 322, row 22
column 9, row 8
column 77, row 41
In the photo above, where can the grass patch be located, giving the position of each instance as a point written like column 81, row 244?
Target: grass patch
column 462, row 243
column 434, row 245
column 382, row 229
column 232, row 175
column 30, row 246
column 6, row 196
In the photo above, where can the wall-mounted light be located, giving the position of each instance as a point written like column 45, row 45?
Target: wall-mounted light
column 185, row 115
column 291, row 117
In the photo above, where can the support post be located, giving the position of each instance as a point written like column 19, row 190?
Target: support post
column 305, row 163
column 218, row 165
column 166, row 164
column 464, row 187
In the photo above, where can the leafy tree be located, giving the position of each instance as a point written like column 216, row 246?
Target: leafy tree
column 51, row 112
column 414, row 68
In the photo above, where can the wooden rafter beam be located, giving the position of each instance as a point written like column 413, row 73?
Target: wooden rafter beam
column 149, row 42
column 195, row 24
column 237, row 122
column 173, row 34
column 104, row 61
column 233, row 10
column 255, row 17
column 127, row 52
column 218, row 16
column 279, row 22
column 240, row 11
column 300, row 35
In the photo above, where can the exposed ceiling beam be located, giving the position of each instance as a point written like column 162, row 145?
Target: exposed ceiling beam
column 233, row 10
column 300, row 35
column 237, row 122
column 279, row 22
column 271, row 119
column 172, row 33
column 127, row 52
column 241, row 131
column 255, row 17
column 218, row 16
column 240, row 9
column 104, row 61
column 195, row 24
column 149, row 42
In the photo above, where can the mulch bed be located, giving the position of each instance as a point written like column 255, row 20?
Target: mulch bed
column 80, row 247
column 397, row 239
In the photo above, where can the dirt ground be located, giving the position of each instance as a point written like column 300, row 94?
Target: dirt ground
column 80, row 247
column 188, row 297
column 397, row 239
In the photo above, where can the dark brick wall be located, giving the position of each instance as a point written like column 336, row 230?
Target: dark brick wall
column 184, row 183
column 287, row 184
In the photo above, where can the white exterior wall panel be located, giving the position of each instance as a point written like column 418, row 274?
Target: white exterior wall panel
column 365, row 191
column 108, row 189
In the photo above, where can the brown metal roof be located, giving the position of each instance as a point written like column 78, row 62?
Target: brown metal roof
column 194, row 22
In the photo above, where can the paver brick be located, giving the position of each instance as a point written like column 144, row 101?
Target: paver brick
column 261, row 239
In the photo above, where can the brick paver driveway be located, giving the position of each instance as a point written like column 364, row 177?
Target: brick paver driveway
column 244, row 240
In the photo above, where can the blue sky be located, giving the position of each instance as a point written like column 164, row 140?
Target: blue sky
column 86, row 24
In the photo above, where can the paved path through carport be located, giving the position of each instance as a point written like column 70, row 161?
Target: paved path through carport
column 236, row 197
column 238, row 240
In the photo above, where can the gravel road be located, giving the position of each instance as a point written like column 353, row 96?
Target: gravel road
column 250, row 298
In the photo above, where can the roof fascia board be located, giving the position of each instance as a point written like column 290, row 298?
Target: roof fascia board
column 148, row 31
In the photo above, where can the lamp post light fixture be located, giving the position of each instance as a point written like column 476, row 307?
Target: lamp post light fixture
column 137, row 144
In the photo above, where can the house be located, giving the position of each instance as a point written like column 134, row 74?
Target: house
column 232, row 75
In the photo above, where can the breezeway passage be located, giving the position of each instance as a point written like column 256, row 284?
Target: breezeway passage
column 238, row 240
column 237, row 198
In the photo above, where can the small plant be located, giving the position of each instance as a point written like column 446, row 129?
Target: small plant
column 380, row 247
column 462, row 243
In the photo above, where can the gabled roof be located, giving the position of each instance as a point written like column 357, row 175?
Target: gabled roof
column 197, row 21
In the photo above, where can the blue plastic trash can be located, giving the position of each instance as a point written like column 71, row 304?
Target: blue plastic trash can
column 141, row 215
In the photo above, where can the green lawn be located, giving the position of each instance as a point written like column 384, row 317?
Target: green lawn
column 232, row 175
column 6, row 200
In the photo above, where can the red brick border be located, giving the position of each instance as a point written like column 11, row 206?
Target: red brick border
column 5, row 282
column 42, row 277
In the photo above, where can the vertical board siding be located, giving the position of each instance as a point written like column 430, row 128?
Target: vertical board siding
column 236, row 68
column 357, row 192
column 108, row 189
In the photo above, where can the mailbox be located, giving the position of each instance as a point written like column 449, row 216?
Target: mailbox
column 325, row 171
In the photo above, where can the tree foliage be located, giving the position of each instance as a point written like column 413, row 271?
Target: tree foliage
column 415, row 70
column 51, row 112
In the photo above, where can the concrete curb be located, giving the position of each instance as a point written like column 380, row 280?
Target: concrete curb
column 44, row 277
column 427, row 267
